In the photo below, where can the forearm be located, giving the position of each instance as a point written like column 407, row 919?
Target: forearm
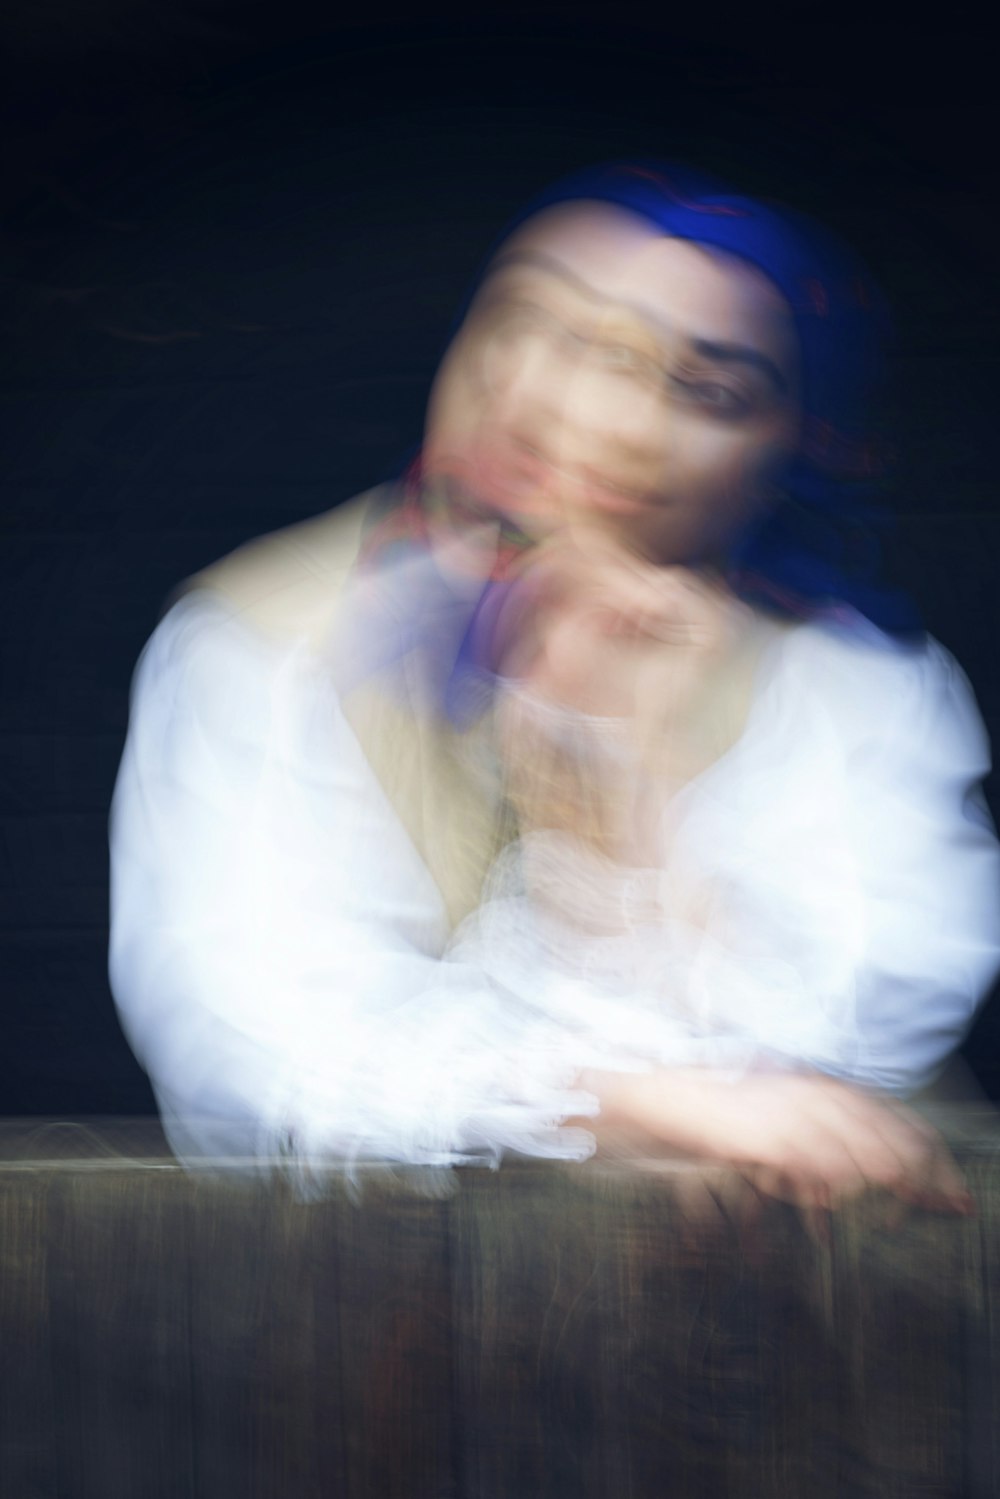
column 680, row 1111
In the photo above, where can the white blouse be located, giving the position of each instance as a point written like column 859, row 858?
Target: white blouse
column 281, row 956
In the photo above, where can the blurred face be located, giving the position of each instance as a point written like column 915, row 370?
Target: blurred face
column 610, row 375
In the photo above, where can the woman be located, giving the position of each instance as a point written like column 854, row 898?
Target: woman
column 574, row 785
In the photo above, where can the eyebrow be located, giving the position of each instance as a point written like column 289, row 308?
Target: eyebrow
column 719, row 351
column 727, row 353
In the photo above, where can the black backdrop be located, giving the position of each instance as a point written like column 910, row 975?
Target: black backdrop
column 234, row 238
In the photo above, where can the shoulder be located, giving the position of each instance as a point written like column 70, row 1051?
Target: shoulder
column 286, row 585
column 883, row 690
column 227, row 633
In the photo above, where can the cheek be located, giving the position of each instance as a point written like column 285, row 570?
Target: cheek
column 453, row 408
column 715, row 458
column 698, row 460
column 711, row 477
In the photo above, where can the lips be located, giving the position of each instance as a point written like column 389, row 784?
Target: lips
column 521, row 480
column 514, row 475
column 597, row 492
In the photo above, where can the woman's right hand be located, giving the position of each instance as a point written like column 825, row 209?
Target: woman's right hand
column 804, row 1137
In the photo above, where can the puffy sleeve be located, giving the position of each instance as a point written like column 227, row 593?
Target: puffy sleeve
column 276, row 941
column 835, row 880
column 928, row 870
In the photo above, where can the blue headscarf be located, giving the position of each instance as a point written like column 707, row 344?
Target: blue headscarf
column 820, row 548
column 817, row 552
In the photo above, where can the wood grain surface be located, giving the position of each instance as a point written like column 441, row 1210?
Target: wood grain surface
column 604, row 1330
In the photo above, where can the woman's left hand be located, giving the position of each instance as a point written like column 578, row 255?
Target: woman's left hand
column 591, row 630
column 589, row 624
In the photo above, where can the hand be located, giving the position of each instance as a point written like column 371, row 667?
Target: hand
column 805, row 1138
column 635, row 650
column 588, row 622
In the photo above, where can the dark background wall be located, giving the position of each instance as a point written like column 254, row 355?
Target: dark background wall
column 233, row 241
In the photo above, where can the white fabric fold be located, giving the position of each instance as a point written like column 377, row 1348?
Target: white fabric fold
column 828, row 899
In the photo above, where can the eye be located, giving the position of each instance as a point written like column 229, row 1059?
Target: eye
column 621, row 359
column 713, row 396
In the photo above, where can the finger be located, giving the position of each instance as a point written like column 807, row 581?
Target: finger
column 631, row 584
column 803, row 1189
column 801, row 1150
column 825, row 1161
column 942, row 1188
column 945, row 1176
column 926, row 1172
column 955, row 1204
column 888, row 1150
column 738, row 1201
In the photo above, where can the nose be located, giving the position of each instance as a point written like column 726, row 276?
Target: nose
column 539, row 401
column 529, row 370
